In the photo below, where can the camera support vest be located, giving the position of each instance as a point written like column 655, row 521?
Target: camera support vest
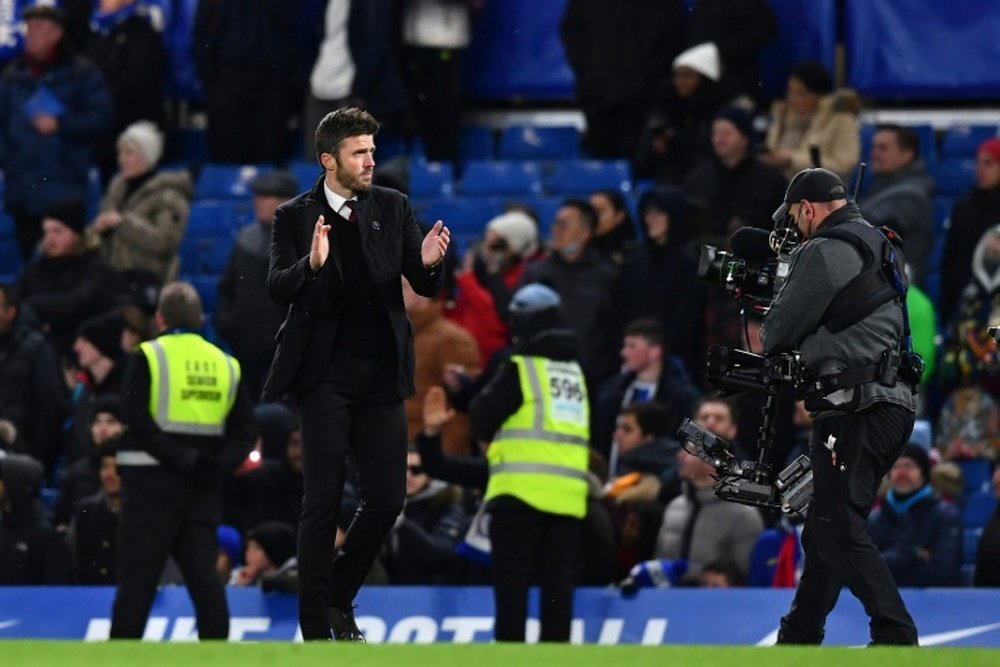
column 540, row 454
column 192, row 384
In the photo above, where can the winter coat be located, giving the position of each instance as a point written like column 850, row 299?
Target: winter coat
column 93, row 537
column 923, row 545
column 40, row 169
column 971, row 216
column 421, row 547
column 833, row 130
column 154, row 218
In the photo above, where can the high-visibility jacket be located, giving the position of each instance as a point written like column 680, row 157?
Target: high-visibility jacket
column 540, row 454
column 192, row 384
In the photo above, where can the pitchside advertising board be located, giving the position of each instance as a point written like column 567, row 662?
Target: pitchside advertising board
column 953, row 617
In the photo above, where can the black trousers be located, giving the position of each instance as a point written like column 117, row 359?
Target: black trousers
column 838, row 551
column 150, row 529
column 375, row 434
column 526, row 545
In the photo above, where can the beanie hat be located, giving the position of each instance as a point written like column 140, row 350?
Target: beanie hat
column 105, row 333
column 517, row 229
column 919, row 456
column 991, row 147
column 740, row 119
column 276, row 183
column 276, row 539
column 145, row 136
column 70, row 212
column 109, row 404
column 230, row 542
column 703, row 58
column 813, row 76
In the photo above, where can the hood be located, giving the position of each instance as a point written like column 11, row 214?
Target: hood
column 986, row 260
column 22, row 480
column 673, row 202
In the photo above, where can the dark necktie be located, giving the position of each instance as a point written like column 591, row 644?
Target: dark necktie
column 353, row 218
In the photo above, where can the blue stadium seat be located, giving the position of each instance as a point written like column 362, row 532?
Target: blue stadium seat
column 581, row 177
column 545, row 208
column 476, row 142
column 464, row 216
column 211, row 217
column 208, row 290
column 10, row 256
column 187, row 146
column 6, row 223
column 527, row 142
column 388, row 145
column 431, row 179
column 953, row 176
column 978, row 509
column 964, row 140
column 205, row 255
column 942, row 212
column 976, row 475
column 500, row 178
column 306, row 172
column 970, row 541
column 227, row 181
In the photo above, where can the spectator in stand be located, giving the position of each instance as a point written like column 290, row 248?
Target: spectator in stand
column 738, row 31
column 144, row 212
column 733, row 189
column 421, row 546
column 900, row 194
column 660, row 276
column 53, row 106
column 31, row 552
column 270, row 547
column 973, row 214
column 435, row 33
column 698, row 526
column 814, row 126
column 648, row 374
column 615, row 235
column 93, row 533
column 271, row 491
column 678, row 134
column 359, row 65
column 101, row 364
column 32, row 395
column 918, row 535
column 722, row 573
column 66, row 284
column 247, row 318
column 244, row 52
column 83, row 477
column 988, row 552
column 645, row 456
column 438, row 344
column 130, row 54
column 619, row 52
column 490, row 272
column 587, row 285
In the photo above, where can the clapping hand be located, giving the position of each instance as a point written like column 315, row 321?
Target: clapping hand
column 436, row 411
column 435, row 245
column 320, row 249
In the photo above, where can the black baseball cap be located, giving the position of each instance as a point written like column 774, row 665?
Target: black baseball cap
column 45, row 11
column 815, row 184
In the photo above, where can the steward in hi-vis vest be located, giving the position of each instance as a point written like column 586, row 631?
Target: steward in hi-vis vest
column 190, row 423
column 535, row 414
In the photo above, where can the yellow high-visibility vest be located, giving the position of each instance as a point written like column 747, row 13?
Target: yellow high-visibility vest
column 192, row 384
column 541, row 452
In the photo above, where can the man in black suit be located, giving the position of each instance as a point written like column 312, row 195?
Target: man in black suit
column 345, row 354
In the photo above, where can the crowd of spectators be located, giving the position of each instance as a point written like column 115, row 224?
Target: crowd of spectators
column 685, row 119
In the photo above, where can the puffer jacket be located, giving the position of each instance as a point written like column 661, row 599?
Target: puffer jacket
column 833, row 130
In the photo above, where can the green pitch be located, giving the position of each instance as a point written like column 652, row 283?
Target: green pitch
column 273, row 654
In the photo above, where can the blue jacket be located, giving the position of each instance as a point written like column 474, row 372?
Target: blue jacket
column 923, row 545
column 41, row 169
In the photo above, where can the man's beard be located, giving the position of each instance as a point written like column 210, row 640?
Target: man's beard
column 350, row 181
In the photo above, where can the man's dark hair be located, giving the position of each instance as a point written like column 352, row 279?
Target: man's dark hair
column 714, row 398
column 728, row 568
column 653, row 418
column 10, row 295
column 586, row 211
column 180, row 306
column 906, row 137
column 649, row 328
column 341, row 124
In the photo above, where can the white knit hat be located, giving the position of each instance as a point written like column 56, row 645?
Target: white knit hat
column 145, row 136
column 703, row 58
column 517, row 229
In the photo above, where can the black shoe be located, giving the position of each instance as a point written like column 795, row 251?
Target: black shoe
column 344, row 627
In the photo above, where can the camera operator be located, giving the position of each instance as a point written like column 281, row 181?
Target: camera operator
column 840, row 306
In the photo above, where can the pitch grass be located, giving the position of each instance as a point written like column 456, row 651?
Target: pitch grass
column 274, row 654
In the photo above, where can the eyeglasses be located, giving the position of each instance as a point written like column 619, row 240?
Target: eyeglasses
column 415, row 470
